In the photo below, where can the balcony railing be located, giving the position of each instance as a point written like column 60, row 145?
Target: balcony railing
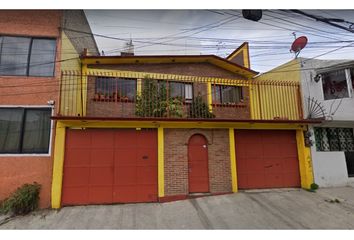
column 125, row 95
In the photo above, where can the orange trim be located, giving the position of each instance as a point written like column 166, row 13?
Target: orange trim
column 94, row 60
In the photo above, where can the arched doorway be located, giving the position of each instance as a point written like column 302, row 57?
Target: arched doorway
column 198, row 173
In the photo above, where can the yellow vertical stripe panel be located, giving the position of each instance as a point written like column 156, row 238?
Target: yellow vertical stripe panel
column 138, row 86
column 84, row 89
column 305, row 162
column 58, row 165
column 233, row 160
column 210, row 100
column 160, row 162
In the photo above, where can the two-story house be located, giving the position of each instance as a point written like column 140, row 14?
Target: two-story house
column 34, row 49
column 327, row 93
column 160, row 128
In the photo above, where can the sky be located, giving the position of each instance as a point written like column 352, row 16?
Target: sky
column 219, row 32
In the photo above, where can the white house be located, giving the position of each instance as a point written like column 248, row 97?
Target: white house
column 327, row 91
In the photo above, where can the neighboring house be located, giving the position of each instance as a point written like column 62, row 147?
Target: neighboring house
column 160, row 128
column 34, row 49
column 327, row 90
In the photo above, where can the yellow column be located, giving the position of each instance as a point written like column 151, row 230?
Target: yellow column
column 305, row 161
column 233, row 160
column 138, row 87
column 160, row 162
column 84, row 89
column 58, row 165
column 210, row 100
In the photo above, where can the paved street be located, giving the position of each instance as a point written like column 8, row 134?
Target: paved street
column 331, row 208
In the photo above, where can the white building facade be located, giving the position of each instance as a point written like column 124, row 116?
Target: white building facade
column 327, row 88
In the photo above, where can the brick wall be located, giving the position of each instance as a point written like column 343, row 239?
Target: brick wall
column 238, row 111
column 193, row 69
column 17, row 170
column 176, row 160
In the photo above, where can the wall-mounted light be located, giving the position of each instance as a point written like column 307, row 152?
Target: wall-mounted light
column 51, row 102
column 317, row 78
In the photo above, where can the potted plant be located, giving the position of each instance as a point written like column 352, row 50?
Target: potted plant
column 97, row 97
column 102, row 96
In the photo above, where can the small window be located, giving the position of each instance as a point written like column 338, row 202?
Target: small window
column 335, row 85
column 181, row 89
column 25, row 130
column 120, row 89
column 222, row 94
column 26, row 56
column 334, row 139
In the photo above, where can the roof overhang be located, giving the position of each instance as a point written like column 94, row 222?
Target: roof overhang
column 157, row 59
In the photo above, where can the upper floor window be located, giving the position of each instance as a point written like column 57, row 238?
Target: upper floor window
column 335, row 84
column 27, row 56
column 25, row 130
column 226, row 94
column 116, row 88
column 181, row 89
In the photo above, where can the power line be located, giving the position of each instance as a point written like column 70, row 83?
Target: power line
column 324, row 20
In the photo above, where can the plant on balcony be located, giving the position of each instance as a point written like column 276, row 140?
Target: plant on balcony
column 199, row 109
column 153, row 101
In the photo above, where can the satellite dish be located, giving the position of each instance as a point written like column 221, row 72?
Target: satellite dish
column 298, row 45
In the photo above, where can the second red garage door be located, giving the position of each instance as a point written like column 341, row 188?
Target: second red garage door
column 110, row 166
column 266, row 159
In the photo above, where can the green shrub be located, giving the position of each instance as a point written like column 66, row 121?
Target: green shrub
column 24, row 200
column 314, row 186
column 199, row 109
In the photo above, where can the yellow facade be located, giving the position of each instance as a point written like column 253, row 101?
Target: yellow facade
column 62, row 125
column 262, row 107
column 70, row 88
column 280, row 100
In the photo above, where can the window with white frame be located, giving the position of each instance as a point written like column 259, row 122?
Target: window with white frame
column 335, row 84
column 25, row 130
column 27, row 56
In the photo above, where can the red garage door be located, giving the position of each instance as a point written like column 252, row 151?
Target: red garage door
column 266, row 159
column 110, row 166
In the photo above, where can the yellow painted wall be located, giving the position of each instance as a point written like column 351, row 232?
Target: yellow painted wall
column 70, row 85
column 278, row 100
column 289, row 71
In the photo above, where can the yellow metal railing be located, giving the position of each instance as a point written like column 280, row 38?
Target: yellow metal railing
column 261, row 99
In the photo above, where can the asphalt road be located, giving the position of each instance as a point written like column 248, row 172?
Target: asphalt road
column 331, row 208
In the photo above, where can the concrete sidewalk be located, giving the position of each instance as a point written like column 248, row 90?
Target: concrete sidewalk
column 268, row 209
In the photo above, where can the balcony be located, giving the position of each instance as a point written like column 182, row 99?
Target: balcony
column 135, row 96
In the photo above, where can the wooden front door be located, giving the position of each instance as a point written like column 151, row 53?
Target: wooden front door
column 198, row 174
